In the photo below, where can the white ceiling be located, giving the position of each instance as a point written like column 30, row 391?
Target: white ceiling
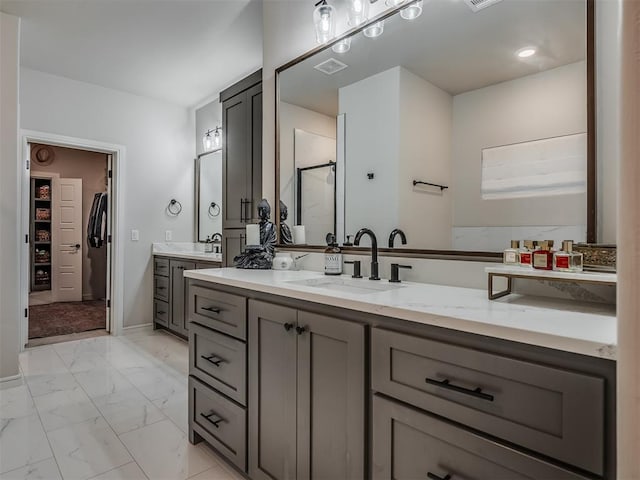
column 451, row 47
column 180, row 51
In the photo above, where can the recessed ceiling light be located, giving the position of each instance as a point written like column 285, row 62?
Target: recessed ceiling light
column 526, row 52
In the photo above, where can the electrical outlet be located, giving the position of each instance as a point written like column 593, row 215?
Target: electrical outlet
column 168, row 235
column 135, row 235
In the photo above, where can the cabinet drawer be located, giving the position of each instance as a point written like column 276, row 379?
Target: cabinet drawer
column 161, row 266
column 221, row 311
column 549, row 410
column 161, row 312
column 219, row 421
column 219, row 361
column 161, row 288
column 408, row 445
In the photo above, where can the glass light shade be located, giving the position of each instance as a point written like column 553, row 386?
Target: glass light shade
column 217, row 138
column 394, row 3
column 324, row 20
column 342, row 46
column 374, row 30
column 412, row 12
column 358, row 12
column 207, row 141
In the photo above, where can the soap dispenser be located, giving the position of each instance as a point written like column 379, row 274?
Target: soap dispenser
column 332, row 257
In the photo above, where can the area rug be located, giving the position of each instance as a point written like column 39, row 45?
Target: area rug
column 66, row 317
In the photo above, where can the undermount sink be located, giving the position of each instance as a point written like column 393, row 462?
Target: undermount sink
column 348, row 285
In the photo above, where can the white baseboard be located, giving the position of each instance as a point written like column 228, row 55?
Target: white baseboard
column 12, row 381
column 137, row 328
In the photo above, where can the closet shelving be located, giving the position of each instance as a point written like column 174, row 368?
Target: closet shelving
column 41, row 234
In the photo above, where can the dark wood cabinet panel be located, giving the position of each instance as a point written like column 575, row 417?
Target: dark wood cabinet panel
column 233, row 242
column 178, row 320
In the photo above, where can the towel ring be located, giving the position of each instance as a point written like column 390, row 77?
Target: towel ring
column 174, row 208
column 214, row 209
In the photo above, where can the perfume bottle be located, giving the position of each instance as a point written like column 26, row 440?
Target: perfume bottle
column 511, row 256
column 567, row 260
column 526, row 254
column 543, row 257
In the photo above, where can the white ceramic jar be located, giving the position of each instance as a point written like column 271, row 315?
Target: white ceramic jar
column 282, row 261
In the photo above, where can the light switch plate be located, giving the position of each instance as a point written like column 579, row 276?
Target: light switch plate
column 135, row 235
column 168, row 235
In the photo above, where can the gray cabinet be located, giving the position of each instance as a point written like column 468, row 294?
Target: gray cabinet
column 241, row 161
column 306, row 395
column 409, row 445
column 169, row 293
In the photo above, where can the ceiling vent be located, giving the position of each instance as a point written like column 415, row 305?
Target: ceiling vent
column 477, row 5
column 330, row 66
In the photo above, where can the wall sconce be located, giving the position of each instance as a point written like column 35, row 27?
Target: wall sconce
column 212, row 142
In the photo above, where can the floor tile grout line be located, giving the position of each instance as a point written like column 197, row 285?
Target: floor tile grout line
column 120, row 466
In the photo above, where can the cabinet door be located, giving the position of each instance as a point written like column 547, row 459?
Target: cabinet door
column 331, row 398
column 233, row 243
column 235, row 158
column 272, row 392
column 178, row 288
column 254, row 147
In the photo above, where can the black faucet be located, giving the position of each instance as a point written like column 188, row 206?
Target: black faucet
column 392, row 237
column 374, row 250
column 217, row 239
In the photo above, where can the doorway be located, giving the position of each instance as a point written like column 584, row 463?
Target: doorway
column 69, row 218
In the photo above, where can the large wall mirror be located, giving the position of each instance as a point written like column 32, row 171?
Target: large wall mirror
column 208, row 191
column 463, row 128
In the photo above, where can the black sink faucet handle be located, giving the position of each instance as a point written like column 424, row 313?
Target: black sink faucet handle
column 395, row 272
column 357, row 271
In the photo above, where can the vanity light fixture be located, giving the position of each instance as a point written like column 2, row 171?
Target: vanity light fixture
column 394, row 3
column 358, row 12
column 526, row 52
column 210, row 142
column 374, row 30
column 342, row 46
column 324, row 20
column 412, row 12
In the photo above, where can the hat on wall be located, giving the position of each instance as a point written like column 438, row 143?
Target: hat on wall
column 42, row 155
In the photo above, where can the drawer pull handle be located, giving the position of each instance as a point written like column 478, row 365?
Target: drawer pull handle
column 161, row 288
column 161, row 313
column 433, row 476
column 213, row 359
column 211, row 309
column 301, row 330
column 478, row 393
column 288, row 326
column 216, row 422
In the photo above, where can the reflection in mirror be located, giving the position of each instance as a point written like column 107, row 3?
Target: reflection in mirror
column 467, row 108
column 209, row 194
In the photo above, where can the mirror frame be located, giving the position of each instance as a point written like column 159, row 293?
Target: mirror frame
column 592, row 197
column 196, row 223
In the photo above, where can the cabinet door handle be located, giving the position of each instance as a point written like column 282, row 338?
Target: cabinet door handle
column 211, row 309
column 301, row 330
column 213, row 359
column 433, row 476
column 477, row 393
column 250, row 203
column 288, row 326
column 216, row 422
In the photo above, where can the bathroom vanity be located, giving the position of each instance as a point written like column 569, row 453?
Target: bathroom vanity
column 169, row 289
column 297, row 375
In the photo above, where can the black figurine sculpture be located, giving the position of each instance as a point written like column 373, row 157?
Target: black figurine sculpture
column 260, row 256
column 285, row 232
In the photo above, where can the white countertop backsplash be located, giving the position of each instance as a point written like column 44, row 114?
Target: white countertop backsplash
column 185, row 250
column 568, row 325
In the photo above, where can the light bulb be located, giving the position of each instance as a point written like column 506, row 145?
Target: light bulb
column 374, row 30
column 412, row 12
column 526, row 52
column 342, row 46
column 325, row 23
column 217, row 138
column 394, row 3
column 358, row 12
column 207, row 141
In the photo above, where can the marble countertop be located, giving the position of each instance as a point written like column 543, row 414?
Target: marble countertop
column 584, row 328
column 185, row 251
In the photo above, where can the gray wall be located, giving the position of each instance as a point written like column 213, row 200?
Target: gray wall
column 10, row 318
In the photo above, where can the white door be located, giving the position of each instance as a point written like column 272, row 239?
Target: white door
column 109, row 243
column 67, row 216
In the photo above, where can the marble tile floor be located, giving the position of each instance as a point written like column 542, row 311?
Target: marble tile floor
column 104, row 408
